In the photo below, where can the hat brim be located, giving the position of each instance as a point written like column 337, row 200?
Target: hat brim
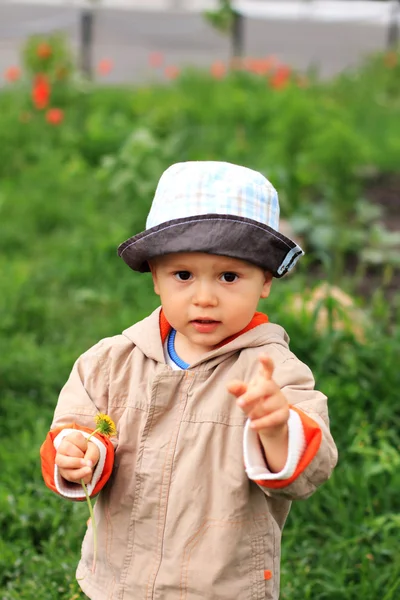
column 225, row 235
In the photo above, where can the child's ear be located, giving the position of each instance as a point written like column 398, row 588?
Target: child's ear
column 153, row 271
column 267, row 285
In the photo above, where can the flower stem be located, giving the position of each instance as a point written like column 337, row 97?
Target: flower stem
column 93, row 433
column 89, row 503
column 94, row 527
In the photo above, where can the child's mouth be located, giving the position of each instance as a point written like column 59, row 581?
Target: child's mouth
column 205, row 325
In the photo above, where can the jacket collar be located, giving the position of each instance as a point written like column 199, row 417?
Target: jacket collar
column 257, row 319
column 150, row 333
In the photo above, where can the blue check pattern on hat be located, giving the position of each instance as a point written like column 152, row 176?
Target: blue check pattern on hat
column 217, row 208
column 207, row 187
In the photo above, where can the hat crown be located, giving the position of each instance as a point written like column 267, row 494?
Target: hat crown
column 195, row 188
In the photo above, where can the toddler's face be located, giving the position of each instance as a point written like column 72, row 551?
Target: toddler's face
column 207, row 298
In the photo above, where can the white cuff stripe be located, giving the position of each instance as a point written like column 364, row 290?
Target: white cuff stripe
column 75, row 490
column 254, row 461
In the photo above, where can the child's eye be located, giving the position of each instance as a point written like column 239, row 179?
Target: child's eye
column 183, row 275
column 229, row 277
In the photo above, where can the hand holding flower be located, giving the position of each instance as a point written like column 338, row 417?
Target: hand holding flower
column 76, row 458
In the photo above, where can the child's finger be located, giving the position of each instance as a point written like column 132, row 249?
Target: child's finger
column 92, row 453
column 254, row 395
column 69, row 462
column 88, row 478
column 272, row 421
column 76, row 439
column 75, row 475
column 267, row 366
column 237, row 387
column 69, row 448
column 265, row 407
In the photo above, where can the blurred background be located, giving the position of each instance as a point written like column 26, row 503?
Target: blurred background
column 327, row 35
column 96, row 100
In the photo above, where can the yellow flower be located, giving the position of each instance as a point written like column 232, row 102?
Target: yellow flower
column 105, row 425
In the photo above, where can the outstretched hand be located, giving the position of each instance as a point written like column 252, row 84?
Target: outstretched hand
column 262, row 401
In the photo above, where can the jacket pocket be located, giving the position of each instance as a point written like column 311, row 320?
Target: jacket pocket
column 226, row 560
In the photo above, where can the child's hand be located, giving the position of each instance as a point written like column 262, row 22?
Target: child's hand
column 262, row 401
column 76, row 458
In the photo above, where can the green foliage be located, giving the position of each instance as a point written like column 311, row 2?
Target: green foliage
column 48, row 54
column 222, row 18
column 70, row 194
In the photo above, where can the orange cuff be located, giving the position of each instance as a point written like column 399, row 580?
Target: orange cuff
column 313, row 438
column 48, row 456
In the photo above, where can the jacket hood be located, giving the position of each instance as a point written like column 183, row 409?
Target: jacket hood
column 146, row 336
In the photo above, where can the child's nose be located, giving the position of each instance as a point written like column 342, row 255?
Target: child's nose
column 204, row 295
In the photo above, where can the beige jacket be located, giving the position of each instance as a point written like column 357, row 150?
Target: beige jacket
column 179, row 519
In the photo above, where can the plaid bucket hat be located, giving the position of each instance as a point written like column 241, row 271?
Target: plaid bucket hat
column 217, row 208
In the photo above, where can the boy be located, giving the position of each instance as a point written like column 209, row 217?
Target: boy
column 194, row 499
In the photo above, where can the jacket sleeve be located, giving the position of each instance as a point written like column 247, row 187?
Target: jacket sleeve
column 254, row 458
column 84, row 395
column 319, row 456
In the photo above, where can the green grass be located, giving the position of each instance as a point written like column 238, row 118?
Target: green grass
column 65, row 207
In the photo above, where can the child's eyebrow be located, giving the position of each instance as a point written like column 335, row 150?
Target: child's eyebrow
column 229, row 266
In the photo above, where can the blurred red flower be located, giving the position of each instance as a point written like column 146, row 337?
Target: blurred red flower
column 264, row 65
column 41, row 91
column 260, row 66
column 171, row 72
column 105, row 66
column 55, row 116
column 156, row 59
column 281, row 77
column 218, row 69
column 44, row 50
column 12, row 74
